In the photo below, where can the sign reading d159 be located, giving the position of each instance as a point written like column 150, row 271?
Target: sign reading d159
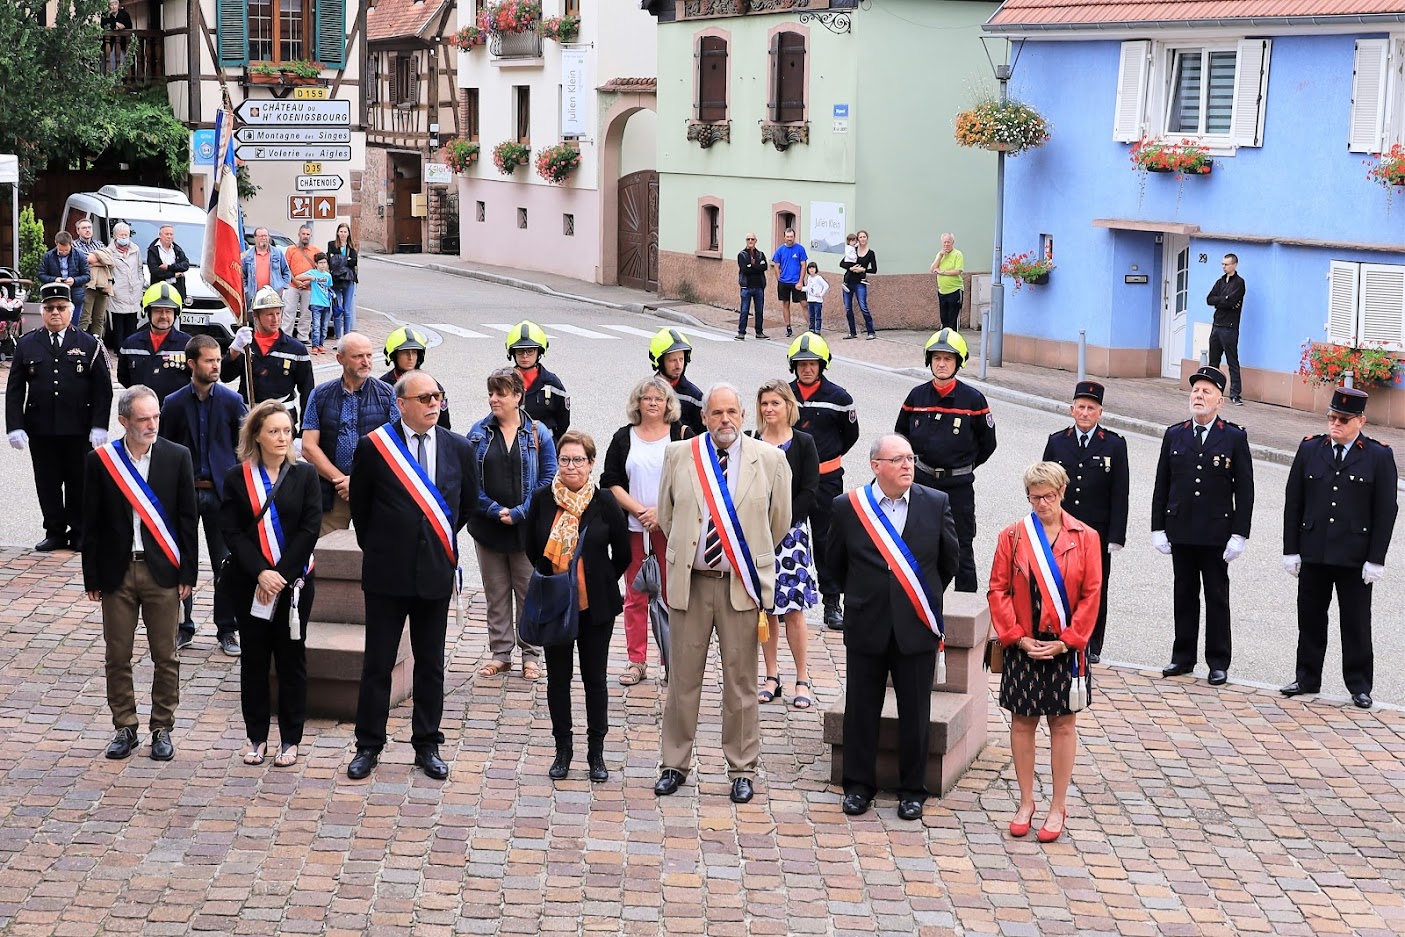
column 294, row 153
column 295, row 113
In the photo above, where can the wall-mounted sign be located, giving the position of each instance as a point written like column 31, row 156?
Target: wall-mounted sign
column 202, row 147
column 841, row 112
column 438, row 174
column 319, row 183
column 826, row 228
column 292, row 135
column 294, row 153
column 1136, row 279
column 577, row 95
column 295, row 113
column 311, row 207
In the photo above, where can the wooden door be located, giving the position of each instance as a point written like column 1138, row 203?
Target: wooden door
column 639, row 230
column 407, row 236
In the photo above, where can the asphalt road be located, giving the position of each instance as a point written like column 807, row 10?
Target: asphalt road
column 599, row 353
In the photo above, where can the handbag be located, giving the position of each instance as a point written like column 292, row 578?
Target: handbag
column 994, row 659
column 551, row 614
column 227, row 564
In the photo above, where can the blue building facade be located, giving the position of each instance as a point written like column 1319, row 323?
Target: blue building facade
column 1292, row 120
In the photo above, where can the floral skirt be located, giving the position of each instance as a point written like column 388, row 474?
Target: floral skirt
column 1030, row 687
column 796, row 589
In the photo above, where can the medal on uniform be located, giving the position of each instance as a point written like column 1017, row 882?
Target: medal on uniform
column 547, row 393
column 1107, row 463
column 955, row 425
column 1217, row 461
column 287, row 365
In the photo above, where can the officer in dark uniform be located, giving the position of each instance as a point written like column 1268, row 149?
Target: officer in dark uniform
column 952, row 432
column 155, row 355
column 57, row 403
column 1201, row 510
column 405, row 351
column 826, row 413
column 670, row 354
column 544, row 397
column 1095, row 459
column 1338, row 516
column 268, row 363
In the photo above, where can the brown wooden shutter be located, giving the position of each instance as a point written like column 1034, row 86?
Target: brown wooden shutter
column 393, row 73
column 712, row 78
column 789, row 55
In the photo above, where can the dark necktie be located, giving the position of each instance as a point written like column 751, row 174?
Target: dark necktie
column 1340, row 450
column 712, row 546
column 1082, row 442
column 1200, row 436
column 54, row 340
column 419, row 455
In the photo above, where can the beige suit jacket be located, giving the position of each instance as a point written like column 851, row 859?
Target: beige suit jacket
column 760, row 489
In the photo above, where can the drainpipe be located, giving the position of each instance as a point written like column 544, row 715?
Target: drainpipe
column 997, row 286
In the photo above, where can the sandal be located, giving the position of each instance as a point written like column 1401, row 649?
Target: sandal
column 800, row 700
column 494, row 667
column 765, row 696
column 634, row 673
column 255, row 755
column 531, row 670
column 287, row 756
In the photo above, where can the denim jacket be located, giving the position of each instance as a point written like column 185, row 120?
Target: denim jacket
column 538, row 462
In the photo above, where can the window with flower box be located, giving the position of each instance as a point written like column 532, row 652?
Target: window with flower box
column 522, row 113
column 1377, row 96
column 1366, row 304
column 1213, row 93
column 280, row 31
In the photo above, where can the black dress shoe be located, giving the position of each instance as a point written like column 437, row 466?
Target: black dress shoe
column 909, row 808
column 1176, row 670
column 1297, row 689
column 668, row 782
column 833, row 616
column 1362, row 700
column 598, row 771
column 361, row 765
column 122, row 743
column 50, row 544
column 1218, row 677
column 562, row 765
column 429, row 761
column 161, row 747
column 741, row 791
column 857, row 804
column 1094, row 658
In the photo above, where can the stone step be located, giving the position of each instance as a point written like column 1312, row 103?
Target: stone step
column 339, row 599
column 957, row 730
column 966, row 616
column 338, row 557
column 335, row 651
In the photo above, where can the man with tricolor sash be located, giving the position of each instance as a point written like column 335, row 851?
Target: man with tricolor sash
column 893, row 547
column 139, row 557
column 724, row 503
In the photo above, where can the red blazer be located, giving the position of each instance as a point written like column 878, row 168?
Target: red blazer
column 1079, row 555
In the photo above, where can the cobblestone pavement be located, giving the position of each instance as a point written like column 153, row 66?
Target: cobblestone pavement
column 1196, row 811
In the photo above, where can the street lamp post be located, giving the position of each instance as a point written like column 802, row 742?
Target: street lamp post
column 997, row 286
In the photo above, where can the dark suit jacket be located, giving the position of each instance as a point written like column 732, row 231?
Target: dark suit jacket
column 875, row 605
column 107, row 521
column 1340, row 516
column 1202, row 496
column 1097, row 480
column 49, row 271
column 804, row 462
column 299, row 504
column 604, row 556
column 180, row 422
column 82, row 399
column 178, row 269
column 400, row 553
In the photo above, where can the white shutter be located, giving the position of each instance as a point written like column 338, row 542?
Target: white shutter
column 1129, row 115
column 1341, row 302
column 1382, row 304
column 1246, row 127
column 1368, row 96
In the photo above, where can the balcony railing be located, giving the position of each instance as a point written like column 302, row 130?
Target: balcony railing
column 526, row 45
column 137, row 55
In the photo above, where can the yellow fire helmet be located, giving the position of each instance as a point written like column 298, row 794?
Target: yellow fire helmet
column 164, row 294
column 669, row 340
column 947, row 340
column 406, row 339
column 527, row 334
column 809, row 347
column 267, row 298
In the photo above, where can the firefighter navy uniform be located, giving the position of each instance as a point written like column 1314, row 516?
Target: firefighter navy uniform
column 283, row 374
column 164, row 371
column 827, row 413
column 545, row 399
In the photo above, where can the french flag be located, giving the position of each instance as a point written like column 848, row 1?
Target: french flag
column 220, row 266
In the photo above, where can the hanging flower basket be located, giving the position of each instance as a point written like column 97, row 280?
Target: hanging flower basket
column 469, row 38
column 1027, row 268
column 1325, row 363
column 1186, row 158
column 563, row 29
column 1002, row 126
column 509, row 154
column 1389, row 169
column 298, row 72
column 556, row 163
column 510, row 16
column 459, row 154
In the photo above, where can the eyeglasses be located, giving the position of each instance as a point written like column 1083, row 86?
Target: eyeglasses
column 652, row 400
column 428, row 399
column 899, row 460
column 751, row 239
column 1043, row 499
column 573, row 460
column 1339, row 418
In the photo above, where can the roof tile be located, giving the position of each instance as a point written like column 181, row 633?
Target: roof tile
column 1097, row 12
column 397, row 19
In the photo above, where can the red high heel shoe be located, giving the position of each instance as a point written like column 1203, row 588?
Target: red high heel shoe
column 1018, row 829
column 1047, row 835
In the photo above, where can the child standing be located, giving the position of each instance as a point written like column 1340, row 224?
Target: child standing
column 815, row 288
column 319, row 301
column 851, row 256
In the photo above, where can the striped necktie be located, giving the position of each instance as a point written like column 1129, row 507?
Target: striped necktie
column 712, row 545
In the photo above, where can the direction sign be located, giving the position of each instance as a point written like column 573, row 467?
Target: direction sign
column 310, row 94
column 294, row 153
column 292, row 135
column 311, row 207
column 319, row 183
column 295, row 113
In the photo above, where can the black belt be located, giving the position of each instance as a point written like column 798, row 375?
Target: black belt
column 710, row 573
column 138, row 556
column 204, row 483
column 944, row 472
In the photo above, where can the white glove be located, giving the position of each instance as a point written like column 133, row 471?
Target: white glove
column 97, row 437
column 242, row 339
column 297, row 449
column 1159, row 543
column 1235, row 548
column 1292, row 564
column 19, row 439
column 1372, row 572
column 1113, row 547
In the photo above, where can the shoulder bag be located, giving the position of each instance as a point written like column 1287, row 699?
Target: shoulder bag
column 994, row 650
column 227, row 564
column 551, row 614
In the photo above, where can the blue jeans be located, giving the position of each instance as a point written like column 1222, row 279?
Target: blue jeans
column 861, row 291
column 348, row 302
column 752, row 294
column 816, row 317
column 207, row 503
column 317, row 334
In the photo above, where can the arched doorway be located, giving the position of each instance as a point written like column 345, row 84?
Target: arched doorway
column 629, row 192
column 638, row 239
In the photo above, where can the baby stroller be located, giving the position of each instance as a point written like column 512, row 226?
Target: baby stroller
column 11, row 311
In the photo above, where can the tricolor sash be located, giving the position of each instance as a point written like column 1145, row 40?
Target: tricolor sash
column 417, row 482
column 899, row 557
column 724, row 515
column 272, row 540
column 142, row 499
column 1054, row 592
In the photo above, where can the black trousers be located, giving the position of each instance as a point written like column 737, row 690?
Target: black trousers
column 1194, row 565
column 863, row 707
column 58, row 481
column 208, row 503
column 1225, row 341
column 830, row 487
column 385, row 622
column 261, row 642
column 961, row 492
column 949, row 307
column 1315, row 584
column 1095, row 643
column 593, row 647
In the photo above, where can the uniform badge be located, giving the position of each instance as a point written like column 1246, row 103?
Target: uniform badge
column 1107, row 463
column 853, row 416
column 287, row 365
column 546, row 393
column 80, row 367
column 76, row 351
column 955, row 425
column 1217, row 461
column 990, row 420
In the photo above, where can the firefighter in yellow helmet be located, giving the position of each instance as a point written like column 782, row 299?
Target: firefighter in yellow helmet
column 670, row 354
column 952, row 433
column 405, row 349
column 154, row 355
column 268, row 363
column 544, row 397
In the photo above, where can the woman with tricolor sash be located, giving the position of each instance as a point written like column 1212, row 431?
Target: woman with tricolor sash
column 270, row 517
column 1045, row 588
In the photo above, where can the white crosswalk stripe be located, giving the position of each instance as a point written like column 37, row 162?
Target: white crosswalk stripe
column 552, row 327
column 456, row 330
column 556, row 328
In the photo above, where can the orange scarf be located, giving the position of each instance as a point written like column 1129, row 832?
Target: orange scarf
column 565, row 530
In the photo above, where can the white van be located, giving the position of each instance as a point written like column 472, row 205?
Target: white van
column 146, row 209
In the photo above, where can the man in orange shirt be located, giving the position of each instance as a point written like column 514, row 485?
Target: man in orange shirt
column 301, row 258
column 264, row 265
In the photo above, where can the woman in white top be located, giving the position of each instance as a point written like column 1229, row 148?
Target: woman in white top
column 633, row 467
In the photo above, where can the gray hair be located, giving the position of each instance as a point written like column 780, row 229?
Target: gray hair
column 721, row 385
column 402, row 386
column 121, row 226
column 672, row 412
column 877, row 445
column 128, row 398
column 948, row 234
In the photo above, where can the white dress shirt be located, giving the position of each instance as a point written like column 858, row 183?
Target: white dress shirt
column 413, row 445
column 734, row 454
column 895, row 508
column 143, row 467
column 167, row 254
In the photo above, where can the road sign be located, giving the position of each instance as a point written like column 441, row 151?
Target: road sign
column 312, row 169
column 319, row 183
column 295, row 113
column 292, row 135
column 294, row 153
column 311, row 207
column 309, row 94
